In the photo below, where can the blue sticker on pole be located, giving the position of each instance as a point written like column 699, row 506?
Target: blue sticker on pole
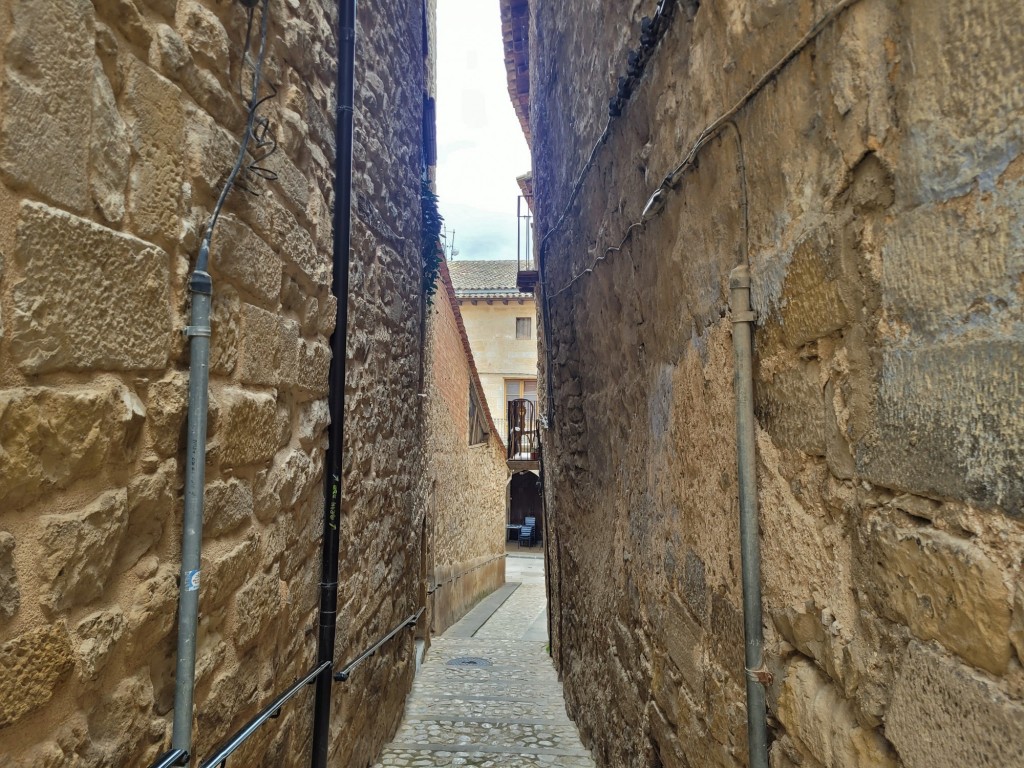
column 192, row 581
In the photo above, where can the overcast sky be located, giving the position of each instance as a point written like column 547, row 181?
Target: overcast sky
column 480, row 145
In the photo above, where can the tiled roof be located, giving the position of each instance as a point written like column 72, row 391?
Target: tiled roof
column 515, row 33
column 484, row 278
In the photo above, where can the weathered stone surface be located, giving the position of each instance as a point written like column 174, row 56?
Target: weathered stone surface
column 155, row 115
column 227, row 572
column 31, row 666
column 106, row 308
column 98, row 633
column 945, row 714
column 313, row 420
column 248, row 427
column 817, row 716
column 292, row 476
column 228, row 506
column 152, row 500
column 109, row 152
column 48, row 79
column 792, row 409
column 686, row 642
column 10, row 593
column 1017, row 626
column 166, row 409
column 943, row 588
column 240, row 255
column 258, row 602
column 49, row 438
column 225, row 329
column 151, row 615
column 80, row 549
column 949, row 423
column 203, row 33
column 260, row 356
column 313, row 367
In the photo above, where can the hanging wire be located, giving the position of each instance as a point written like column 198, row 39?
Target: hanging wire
column 252, row 131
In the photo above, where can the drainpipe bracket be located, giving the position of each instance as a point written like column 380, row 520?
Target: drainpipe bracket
column 748, row 316
column 760, row 675
column 196, row 330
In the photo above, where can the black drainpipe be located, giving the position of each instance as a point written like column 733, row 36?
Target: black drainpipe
column 336, row 384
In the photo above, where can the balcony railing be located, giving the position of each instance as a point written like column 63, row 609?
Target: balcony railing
column 523, row 442
column 527, row 278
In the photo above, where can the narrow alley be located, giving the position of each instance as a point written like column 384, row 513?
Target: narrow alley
column 487, row 694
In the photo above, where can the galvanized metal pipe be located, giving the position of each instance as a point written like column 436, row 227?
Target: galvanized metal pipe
column 750, row 552
column 201, row 288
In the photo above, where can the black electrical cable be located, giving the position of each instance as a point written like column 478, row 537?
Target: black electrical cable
column 203, row 260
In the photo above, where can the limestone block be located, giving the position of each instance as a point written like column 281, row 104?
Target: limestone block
column 225, row 321
column 127, row 18
column 153, row 610
column 822, row 721
column 964, row 131
column 152, row 500
column 814, row 305
column 261, row 342
column 684, row 640
column 257, row 604
column 48, row 80
column 109, row 152
column 155, row 115
column 204, row 34
column 949, row 423
column 228, row 506
column 31, row 666
column 210, row 152
column 10, row 592
column 313, row 367
column 791, row 407
column 166, row 410
column 171, row 57
column 241, row 256
column 227, row 572
column 945, row 715
column 247, row 432
column 292, row 476
column 122, row 726
column 98, row 633
column 50, row 438
column 313, row 420
column 291, row 182
column 80, row 548
column 1017, row 626
column 90, row 298
column 943, row 588
column 300, row 250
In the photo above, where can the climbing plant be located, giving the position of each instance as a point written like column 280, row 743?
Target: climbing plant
column 430, row 247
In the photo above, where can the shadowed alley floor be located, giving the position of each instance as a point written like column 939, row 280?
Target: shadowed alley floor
column 503, row 705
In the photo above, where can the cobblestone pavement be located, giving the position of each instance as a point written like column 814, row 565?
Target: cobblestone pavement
column 505, row 711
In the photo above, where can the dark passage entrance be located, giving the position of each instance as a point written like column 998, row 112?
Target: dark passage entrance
column 526, row 500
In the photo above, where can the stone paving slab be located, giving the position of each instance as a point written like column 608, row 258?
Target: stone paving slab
column 509, row 712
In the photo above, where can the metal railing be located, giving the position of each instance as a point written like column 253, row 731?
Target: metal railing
column 523, row 436
column 524, row 237
column 500, row 425
column 344, row 674
column 219, row 759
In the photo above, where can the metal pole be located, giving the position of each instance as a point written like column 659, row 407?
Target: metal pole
column 336, row 383
column 201, row 287
column 750, row 554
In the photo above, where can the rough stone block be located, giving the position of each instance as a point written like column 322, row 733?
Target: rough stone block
column 949, row 423
column 80, row 548
column 225, row 330
column 300, row 250
column 313, row 420
column 227, row 572
column 10, row 592
column 943, row 588
column 98, row 633
column 258, row 603
column 109, row 153
column 204, row 34
column 166, row 408
column 814, row 304
column 49, row 88
column 791, row 407
column 821, row 720
column 1017, row 626
column 151, row 615
column 944, row 714
column 241, row 256
column 90, row 298
column 313, row 367
column 261, row 341
column 50, row 438
column 151, row 503
column 31, row 666
column 228, row 506
column 247, row 432
column 293, row 475
column 685, row 641
column 155, row 114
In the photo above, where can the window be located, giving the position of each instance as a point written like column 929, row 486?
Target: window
column 520, row 389
column 523, row 328
column 477, row 423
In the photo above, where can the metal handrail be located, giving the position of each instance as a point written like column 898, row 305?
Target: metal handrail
column 170, row 759
column 343, row 675
column 220, row 757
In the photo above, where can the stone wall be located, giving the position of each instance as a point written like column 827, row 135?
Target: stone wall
column 119, row 120
column 884, row 178
column 466, row 493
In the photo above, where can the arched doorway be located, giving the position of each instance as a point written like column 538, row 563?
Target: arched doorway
column 525, row 500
